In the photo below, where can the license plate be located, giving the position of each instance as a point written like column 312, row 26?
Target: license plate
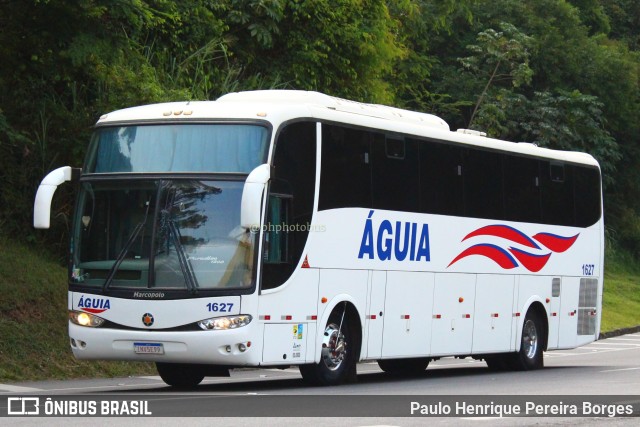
column 148, row 348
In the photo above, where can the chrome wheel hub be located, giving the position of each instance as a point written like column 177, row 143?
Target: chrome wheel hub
column 334, row 347
column 529, row 339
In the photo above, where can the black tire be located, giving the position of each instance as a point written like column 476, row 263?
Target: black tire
column 499, row 362
column 404, row 367
column 530, row 355
column 338, row 360
column 180, row 375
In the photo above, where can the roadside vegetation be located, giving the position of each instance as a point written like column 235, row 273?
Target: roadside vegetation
column 621, row 300
column 34, row 344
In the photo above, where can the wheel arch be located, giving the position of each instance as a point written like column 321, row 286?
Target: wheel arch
column 536, row 306
column 353, row 314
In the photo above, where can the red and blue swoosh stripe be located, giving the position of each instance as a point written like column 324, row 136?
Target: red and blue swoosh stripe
column 554, row 242
column 496, row 253
column 93, row 310
column 511, row 257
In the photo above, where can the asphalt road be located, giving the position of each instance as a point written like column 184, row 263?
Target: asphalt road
column 606, row 367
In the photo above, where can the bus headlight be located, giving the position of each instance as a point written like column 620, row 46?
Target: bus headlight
column 85, row 319
column 223, row 323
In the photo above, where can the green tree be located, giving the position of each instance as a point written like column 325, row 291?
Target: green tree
column 422, row 27
column 343, row 47
column 593, row 15
column 624, row 16
column 499, row 57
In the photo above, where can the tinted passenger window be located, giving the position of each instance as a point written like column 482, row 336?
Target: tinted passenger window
column 482, row 172
column 345, row 178
column 587, row 195
column 521, row 189
column 441, row 186
column 557, row 193
column 362, row 168
column 396, row 178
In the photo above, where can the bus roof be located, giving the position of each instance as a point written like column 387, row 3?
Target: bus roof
column 278, row 106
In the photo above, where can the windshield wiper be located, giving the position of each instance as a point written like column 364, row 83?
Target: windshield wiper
column 185, row 265
column 121, row 255
column 125, row 249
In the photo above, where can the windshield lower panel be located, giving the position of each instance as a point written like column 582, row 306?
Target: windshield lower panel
column 161, row 234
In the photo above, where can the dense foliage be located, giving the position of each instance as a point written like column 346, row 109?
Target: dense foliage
column 563, row 74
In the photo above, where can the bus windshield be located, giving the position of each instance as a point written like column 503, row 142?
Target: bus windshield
column 162, row 148
column 165, row 234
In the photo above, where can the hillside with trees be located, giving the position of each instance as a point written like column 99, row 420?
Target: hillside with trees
column 558, row 73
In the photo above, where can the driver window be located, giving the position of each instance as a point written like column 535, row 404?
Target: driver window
column 290, row 203
column 276, row 244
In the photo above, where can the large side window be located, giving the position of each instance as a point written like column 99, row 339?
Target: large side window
column 362, row 168
column 521, row 189
column 345, row 179
column 395, row 164
column 290, row 202
column 441, row 185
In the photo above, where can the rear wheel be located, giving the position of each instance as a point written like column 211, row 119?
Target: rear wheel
column 530, row 355
column 180, row 375
column 499, row 362
column 404, row 366
column 338, row 359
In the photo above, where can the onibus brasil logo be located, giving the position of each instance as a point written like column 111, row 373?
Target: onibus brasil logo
column 539, row 247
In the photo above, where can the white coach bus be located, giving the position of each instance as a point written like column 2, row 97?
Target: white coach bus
column 279, row 228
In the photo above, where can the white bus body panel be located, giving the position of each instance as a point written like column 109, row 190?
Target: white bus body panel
column 493, row 324
column 569, row 289
column 292, row 305
column 554, row 315
column 339, row 244
column 285, row 343
column 453, row 310
column 374, row 323
column 407, row 314
column 499, row 297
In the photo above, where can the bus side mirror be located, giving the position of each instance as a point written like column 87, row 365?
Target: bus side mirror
column 252, row 193
column 48, row 186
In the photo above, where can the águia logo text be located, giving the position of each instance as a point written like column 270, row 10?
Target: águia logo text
column 398, row 241
column 94, row 305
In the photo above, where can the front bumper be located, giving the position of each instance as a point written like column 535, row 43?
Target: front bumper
column 205, row 347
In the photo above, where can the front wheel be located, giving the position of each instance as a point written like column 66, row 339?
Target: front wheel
column 180, row 375
column 338, row 359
